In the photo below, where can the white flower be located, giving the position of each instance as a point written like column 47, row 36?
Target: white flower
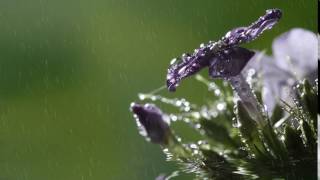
column 295, row 57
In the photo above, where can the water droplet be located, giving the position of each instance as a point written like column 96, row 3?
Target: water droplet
column 197, row 126
column 195, row 152
column 184, row 56
column 251, row 72
column 193, row 146
column 217, row 92
column 141, row 96
column 235, row 123
column 182, row 70
column 221, row 106
column 178, row 103
column 187, row 108
column 153, row 98
column 173, row 117
column 196, row 115
column 214, row 113
column 173, row 61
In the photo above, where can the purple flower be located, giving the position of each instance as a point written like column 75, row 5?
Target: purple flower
column 294, row 58
column 247, row 34
column 223, row 57
column 152, row 122
column 229, row 62
column 187, row 65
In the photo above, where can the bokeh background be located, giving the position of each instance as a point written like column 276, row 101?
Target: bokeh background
column 69, row 70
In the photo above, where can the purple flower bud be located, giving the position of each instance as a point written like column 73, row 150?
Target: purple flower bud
column 229, row 62
column 152, row 123
column 247, row 34
column 224, row 58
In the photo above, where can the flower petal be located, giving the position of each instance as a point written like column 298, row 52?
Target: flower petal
column 247, row 34
column 187, row 65
column 276, row 82
column 295, row 58
column 229, row 62
column 191, row 64
column 296, row 52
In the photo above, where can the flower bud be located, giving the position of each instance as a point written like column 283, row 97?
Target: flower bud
column 153, row 124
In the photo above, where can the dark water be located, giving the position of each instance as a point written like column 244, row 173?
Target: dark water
column 69, row 69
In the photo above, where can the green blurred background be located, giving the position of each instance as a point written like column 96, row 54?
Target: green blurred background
column 69, row 70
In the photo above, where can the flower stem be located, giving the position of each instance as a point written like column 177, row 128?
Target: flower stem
column 248, row 98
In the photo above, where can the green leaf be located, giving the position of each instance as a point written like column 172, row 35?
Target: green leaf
column 258, row 96
column 217, row 167
column 273, row 142
column 310, row 99
column 310, row 137
column 277, row 114
column 293, row 143
column 249, row 131
column 217, row 133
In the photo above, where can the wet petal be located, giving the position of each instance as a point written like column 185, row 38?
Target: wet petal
column 297, row 52
column 187, row 65
column 152, row 122
column 247, row 34
column 295, row 58
column 229, row 62
column 236, row 36
column 318, row 46
column 276, row 82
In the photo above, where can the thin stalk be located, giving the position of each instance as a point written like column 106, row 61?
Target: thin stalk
column 248, row 98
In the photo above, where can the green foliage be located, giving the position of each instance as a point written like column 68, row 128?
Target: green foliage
column 284, row 148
